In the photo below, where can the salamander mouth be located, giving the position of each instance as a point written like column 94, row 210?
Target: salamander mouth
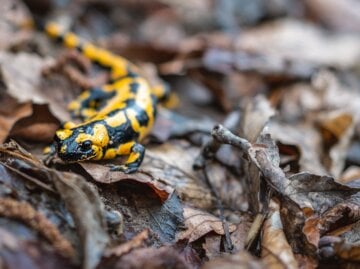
column 86, row 158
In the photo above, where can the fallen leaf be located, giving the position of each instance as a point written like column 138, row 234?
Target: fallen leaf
column 256, row 115
column 212, row 246
column 332, row 14
column 22, row 74
column 10, row 112
column 347, row 251
column 14, row 15
column 128, row 246
column 151, row 258
column 351, row 174
column 80, row 198
column 305, row 138
column 283, row 38
column 17, row 253
column 275, row 250
column 239, row 236
column 240, row 260
column 102, row 174
column 172, row 165
column 87, row 210
column 337, row 130
column 198, row 223
column 40, row 126
column 336, row 218
column 142, row 209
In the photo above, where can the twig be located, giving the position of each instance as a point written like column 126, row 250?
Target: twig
column 225, row 136
column 228, row 245
column 210, row 149
column 257, row 154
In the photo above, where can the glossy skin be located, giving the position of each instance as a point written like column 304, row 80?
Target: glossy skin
column 115, row 116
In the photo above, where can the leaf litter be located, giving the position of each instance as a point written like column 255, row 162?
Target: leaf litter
column 276, row 186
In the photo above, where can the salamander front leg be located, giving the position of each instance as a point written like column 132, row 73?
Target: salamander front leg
column 50, row 152
column 136, row 156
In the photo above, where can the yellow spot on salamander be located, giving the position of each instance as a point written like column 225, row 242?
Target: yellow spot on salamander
column 131, row 113
column 172, row 102
column 69, row 125
column 64, row 134
column 97, row 152
column 53, row 30
column 134, row 156
column 47, row 150
column 158, row 91
column 71, row 40
column 116, row 120
column 100, row 137
column 88, row 113
column 125, row 149
column 63, row 149
column 110, row 154
column 118, row 71
column 104, row 57
column 90, row 51
column 74, row 105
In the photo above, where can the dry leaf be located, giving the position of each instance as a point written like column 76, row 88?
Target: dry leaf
column 275, row 250
column 150, row 258
column 10, row 113
column 241, row 260
column 341, row 16
column 198, row 223
column 284, row 38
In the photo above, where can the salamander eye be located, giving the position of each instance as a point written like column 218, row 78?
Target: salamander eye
column 86, row 145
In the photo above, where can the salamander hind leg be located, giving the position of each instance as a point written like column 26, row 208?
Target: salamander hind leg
column 164, row 95
column 136, row 155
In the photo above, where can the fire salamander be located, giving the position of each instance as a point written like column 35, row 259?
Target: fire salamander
column 115, row 116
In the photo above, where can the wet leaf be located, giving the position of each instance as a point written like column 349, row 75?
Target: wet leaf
column 15, row 252
column 80, row 198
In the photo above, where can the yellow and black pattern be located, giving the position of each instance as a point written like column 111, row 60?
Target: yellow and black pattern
column 115, row 116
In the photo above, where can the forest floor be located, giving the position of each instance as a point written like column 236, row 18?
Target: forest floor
column 258, row 165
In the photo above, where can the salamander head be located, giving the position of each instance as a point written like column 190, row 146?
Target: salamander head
column 80, row 143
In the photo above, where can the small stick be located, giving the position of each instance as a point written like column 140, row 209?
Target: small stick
column 228, row 245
